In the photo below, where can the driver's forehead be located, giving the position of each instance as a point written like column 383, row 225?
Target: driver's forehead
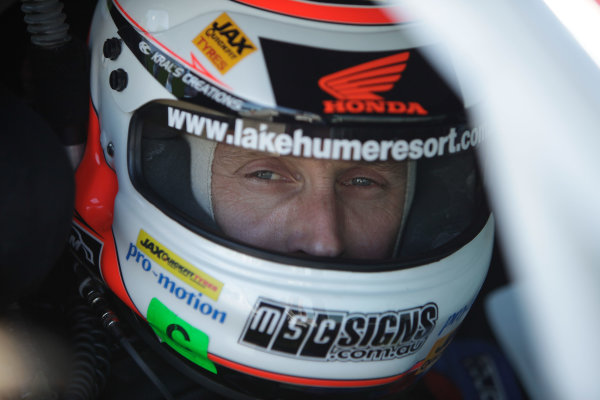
column 230, row 158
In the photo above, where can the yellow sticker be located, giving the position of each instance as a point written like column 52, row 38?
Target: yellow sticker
column 224, row 43
column 436, row 352
column 201, row 281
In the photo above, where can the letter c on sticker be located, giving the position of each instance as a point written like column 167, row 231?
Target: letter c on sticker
column 178, row 328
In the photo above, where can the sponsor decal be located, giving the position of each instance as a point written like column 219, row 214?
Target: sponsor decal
column 187, row 297
column 179, row 267
column 173, row 71
column 261, row 137
column 457, row 317
column 177, row 76
column 224, row 43
column 435, row 353
column 396, row 84
column 86, row 246
column 357, row 88
column 187, row 340
column 327, row 335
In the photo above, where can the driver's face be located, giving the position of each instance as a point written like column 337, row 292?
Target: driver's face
column 319, row 207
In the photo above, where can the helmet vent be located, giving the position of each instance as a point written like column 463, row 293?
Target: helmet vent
column 118, row 79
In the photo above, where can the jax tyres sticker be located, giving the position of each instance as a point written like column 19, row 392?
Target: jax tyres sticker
column 87, row 247
column 175, row 73
column 327, row 335
column 224, row 43
column 199, row 280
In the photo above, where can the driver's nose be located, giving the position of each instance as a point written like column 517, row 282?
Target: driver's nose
column 316, row 227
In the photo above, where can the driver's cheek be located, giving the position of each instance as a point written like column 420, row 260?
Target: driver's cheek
column 253, row 219
column 371, row 228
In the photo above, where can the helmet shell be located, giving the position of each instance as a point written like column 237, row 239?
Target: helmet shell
column 230, row 312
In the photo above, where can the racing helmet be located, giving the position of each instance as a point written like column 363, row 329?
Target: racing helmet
column 284, row 194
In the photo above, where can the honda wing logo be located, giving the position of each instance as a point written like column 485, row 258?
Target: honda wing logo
column 357, row 88
column 362, row 81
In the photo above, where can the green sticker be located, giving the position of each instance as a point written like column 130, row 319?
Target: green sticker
column 188, row 341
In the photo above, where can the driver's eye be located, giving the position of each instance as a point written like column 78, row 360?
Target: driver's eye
column 361, row 181
column 266, row 175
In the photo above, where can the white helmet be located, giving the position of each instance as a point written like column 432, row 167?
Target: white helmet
column 286, row 193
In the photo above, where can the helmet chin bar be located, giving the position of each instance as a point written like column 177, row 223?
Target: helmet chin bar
column 237, row 345
column 262, row 389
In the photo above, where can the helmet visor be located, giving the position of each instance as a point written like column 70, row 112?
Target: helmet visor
column 356, row 195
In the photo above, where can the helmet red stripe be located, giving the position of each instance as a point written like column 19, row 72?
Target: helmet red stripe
column 330, row 12
column 96, row 187
column 297, row 380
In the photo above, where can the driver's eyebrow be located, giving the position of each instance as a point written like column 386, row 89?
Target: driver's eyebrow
column 383, row 165
column 241, row 155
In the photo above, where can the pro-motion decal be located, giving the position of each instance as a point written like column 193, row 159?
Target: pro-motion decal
column 86, row 246
column 187, row 297
column 189, row 274
column 328, row 335
column 224, row 43
column 174, row 73
column 332, row 82
column 164, row 281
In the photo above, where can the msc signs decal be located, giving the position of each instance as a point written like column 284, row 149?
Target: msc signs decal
column 224, row 43
column 328, row 335
column 189, row 274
